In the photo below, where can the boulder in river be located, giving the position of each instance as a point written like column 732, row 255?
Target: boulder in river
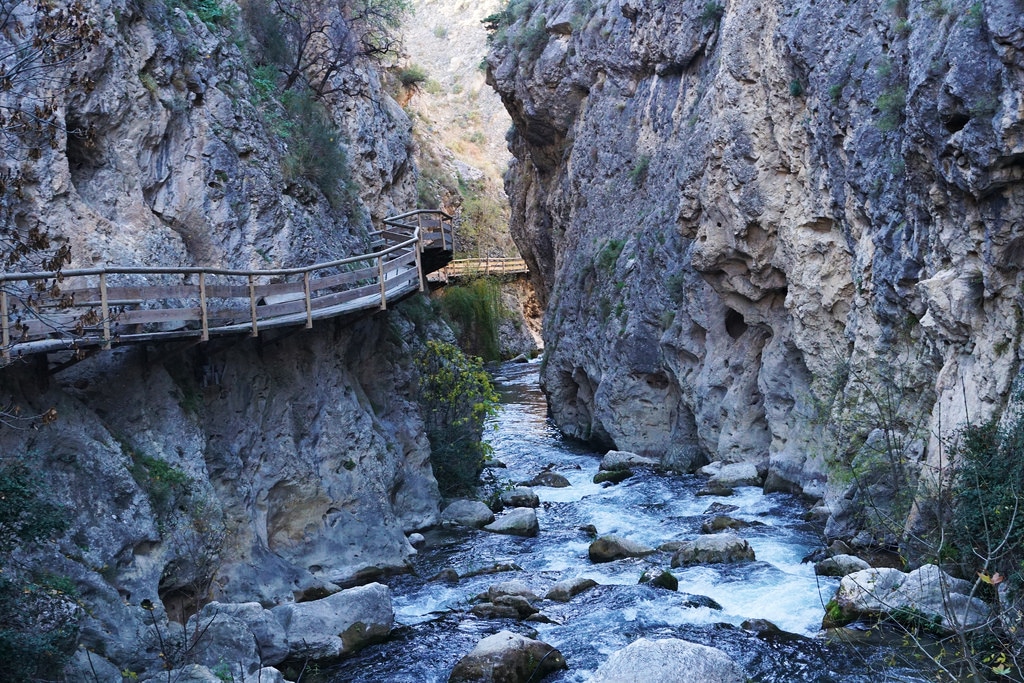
column 660, row 578
column 513, row 587
column 566, row 589
column 507, row 657
column 516, row 522
column 721, row 523
column 840, row 565
column 338, row 624
column 669, row 660
column 736, row 474
column 550, row 479
column 260, row 623
column 713, row 549
column 926, row 593
column 612, row 476
column 624, row 460
column 612, row 547
column 470, row 513
column 520, row 497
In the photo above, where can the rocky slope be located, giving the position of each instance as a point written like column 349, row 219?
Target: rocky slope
column 769, row 231
column 269, row 470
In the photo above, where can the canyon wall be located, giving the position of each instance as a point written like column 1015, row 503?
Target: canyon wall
column 758, row 227
column 274, row 469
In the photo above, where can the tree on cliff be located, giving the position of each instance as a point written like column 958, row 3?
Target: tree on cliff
column 323, row 38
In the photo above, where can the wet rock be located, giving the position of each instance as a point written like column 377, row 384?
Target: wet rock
column 840, row 565
column 660, row 578
column 838, row 547
column 338, row 624
column 668, row 661
column 766, row 630
column 695, row 601
column 507, row 657
column 611, row 547
column 514, row 587
column 714, row 549
column 549, row 479
column 613, row 476
column 588, row 529
column 736, row 474
column 471, row 513
column 520, row 497
column 417, row 540
column 496, row 568
column 718, row 508
column 714, row 490
column 488, row 610
column 519, row 603
column 926, row 593
column 671, row 546
column 566, row 589
column 721, row 523
column 516, row 522
column 494, row 463
column 447, row 574
column 624, row 460
column 260, row 623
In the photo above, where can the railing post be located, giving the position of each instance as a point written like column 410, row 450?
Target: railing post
column 104, row 310
column 202, row 307
column 441, row 222
column 383, row 288
column 252, row 305
column 309, row 300
column 5, row 326
column 419, row 266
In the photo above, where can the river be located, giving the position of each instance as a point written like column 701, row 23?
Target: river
column 434, row 629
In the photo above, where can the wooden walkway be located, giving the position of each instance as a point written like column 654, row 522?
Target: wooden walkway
column 100, row 307
column 479, row 267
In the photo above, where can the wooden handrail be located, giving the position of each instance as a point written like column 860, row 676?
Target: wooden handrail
column 40, row 321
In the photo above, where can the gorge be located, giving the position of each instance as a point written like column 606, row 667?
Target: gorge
column 777, row 248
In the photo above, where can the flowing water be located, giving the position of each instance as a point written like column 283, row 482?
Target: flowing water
column 434, row 629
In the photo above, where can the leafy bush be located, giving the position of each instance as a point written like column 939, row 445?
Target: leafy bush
column 412, row 75
column 475, row 310
column 609, row 255
column 456, row 396
column 164, row 483
column 38, row 618
column 712, row 12
column 638, row 174
column 796, row 88
column 891, row 103
column 315, row 150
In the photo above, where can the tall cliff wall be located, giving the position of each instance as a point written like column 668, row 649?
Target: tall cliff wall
column 751, row 221
column 270, row 469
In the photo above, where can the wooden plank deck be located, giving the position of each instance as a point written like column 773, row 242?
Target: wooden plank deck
column 108, row 305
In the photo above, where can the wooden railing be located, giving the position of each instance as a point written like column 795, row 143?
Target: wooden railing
column 123, row 304
column 476, row 267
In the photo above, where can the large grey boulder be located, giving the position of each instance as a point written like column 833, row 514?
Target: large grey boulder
column 624, row 460
column 338, row 624
column 566, row 589
column 223, row 671
column 516, row 522
column 736, row 474
column 507, row 657
column 271, row 644
column 668, row 661
column 926, row 592
column 840, row 565
column 550, row 479
column 713, row 549
column 520, row 497
column 612, row 547
column 223, row 638
column 470, row 513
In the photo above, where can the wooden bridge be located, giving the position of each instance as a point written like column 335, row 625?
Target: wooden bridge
column 98, row 307
column 479, row 267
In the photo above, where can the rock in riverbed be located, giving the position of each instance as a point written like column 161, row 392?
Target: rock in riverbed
column 566, row 589
column 471, row 513
column 507, row 657
column 338, row 624
column 611, row 547
column 516, row 522
column 668, row 661
column 713, row 549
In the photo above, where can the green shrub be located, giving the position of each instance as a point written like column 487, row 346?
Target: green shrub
column 532, row 38
column 165, row 484
column 609, row 255
column 412, row 75
column 315, row 150
column 638, row 174
column 891, row 104
column 475, row 310
column 796, row 89
column 712, row 12
column 456, row 396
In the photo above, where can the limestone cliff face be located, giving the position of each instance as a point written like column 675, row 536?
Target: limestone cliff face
column 271, row 469
column 750, row 219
